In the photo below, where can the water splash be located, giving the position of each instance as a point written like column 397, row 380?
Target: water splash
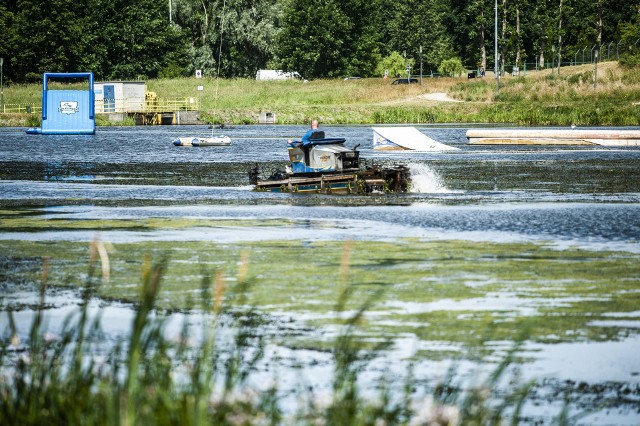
column 426, row 180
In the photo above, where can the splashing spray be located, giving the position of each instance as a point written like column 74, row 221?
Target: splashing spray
column 425, row 180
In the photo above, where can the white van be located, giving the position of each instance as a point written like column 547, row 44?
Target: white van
column 277, row 75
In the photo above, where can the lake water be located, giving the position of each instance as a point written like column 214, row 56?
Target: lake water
column 584, row 197
column 577, row 195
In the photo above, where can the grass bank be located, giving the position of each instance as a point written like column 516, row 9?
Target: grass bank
column 535, row 98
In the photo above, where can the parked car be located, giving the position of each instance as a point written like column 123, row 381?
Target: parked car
column 405, row 81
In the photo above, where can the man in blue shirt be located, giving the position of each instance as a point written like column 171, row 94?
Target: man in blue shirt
column 314, row 128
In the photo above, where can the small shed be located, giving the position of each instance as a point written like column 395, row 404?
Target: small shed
column 120, row 96
column 267, row 117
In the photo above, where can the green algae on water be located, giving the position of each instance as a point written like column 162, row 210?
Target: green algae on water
column 439, row 291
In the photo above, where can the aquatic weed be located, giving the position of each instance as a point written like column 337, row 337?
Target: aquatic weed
column 149, row 379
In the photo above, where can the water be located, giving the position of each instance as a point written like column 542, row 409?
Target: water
column 587, row 197
column 579, row 195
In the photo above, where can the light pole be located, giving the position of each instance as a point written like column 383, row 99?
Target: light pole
column 1, row 86
column 595, row 73
column 559, row 37
column 406, row 66
column 495, row 47
column 420, row 66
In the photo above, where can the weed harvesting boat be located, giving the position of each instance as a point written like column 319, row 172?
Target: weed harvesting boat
column 325, row 165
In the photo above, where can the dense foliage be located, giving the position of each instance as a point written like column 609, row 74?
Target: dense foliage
column 119, row 39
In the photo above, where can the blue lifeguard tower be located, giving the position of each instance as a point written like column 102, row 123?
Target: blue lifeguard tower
column 67, row 112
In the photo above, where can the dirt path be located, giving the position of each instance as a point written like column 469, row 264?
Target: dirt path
column 440, row 97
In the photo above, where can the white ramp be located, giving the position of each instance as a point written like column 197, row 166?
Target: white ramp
column 406, row 138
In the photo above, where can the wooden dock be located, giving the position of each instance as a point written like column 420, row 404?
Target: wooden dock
column 600, row 137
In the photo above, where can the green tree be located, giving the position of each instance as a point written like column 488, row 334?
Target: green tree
column 629, row 36
column 423, row 23
column 138, row 38
column 329, row 38
column 250, row 27
column 233, row 38
column 395, row 64
column 8, row 39
column 452, row 67
column 473, row 31
column 52, row 38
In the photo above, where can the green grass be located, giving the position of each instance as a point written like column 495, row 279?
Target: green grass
column 539, row 98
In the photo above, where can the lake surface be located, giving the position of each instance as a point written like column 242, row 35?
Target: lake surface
column 585, row 198
column 580, row 195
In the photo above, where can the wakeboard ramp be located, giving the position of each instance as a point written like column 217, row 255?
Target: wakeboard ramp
column 406, row 138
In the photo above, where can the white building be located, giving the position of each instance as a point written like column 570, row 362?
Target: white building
column 120, row 96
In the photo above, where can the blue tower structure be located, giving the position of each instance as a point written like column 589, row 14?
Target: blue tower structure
column 67, row 112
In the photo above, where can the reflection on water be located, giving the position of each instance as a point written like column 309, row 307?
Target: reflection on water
column 592, row 226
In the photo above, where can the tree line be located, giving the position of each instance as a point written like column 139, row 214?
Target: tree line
column 124, row 39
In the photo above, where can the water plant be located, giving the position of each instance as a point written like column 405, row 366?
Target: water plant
column 145, row 378
column 204, row 377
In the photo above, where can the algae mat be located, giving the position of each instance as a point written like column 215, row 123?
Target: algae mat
column 461, row 292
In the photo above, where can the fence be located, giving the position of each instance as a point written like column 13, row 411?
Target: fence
column 580, row 56
column 119, row 106
column 154, row 105
column 21, row 109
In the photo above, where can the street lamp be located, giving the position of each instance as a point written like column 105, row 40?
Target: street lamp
column 1, row 86
column 495, row 47
column 420, row 66
column 595, row 72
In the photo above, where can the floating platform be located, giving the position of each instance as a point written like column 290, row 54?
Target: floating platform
column 66, row 112
column 406, row 139
column 553, row 137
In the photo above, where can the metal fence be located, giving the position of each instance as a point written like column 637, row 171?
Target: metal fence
column 108, row 106
column 119, row 106
column 587, row 54
column 21, row 109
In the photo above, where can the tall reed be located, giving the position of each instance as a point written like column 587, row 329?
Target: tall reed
column 203, row 378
